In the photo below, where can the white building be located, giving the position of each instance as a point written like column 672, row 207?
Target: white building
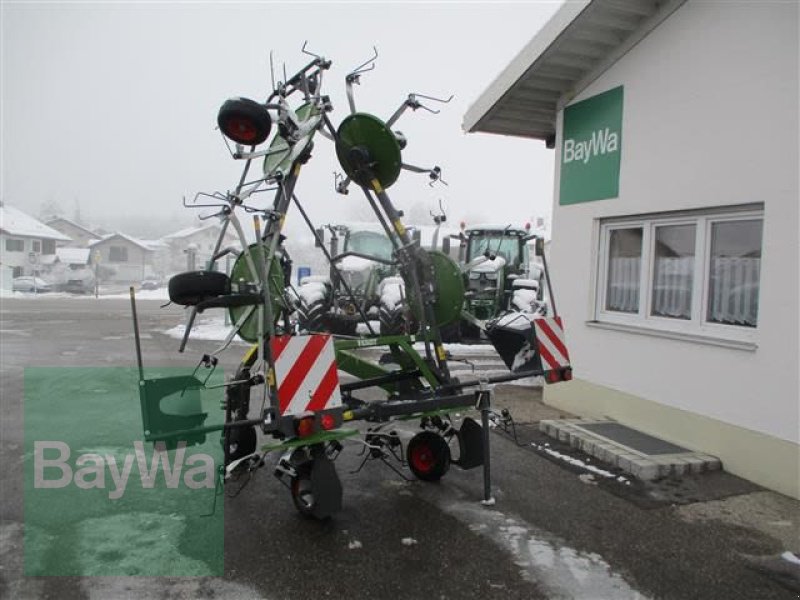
column 79, row 235
column 675, row 217
column 26, row 244
column 123, row 259
column 195, row 244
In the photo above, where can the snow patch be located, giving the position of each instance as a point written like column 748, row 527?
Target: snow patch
column 213, row 329
column 791, row 557
column 355, row 263
column 579, row 463
column 392, row 291
column 543, row 558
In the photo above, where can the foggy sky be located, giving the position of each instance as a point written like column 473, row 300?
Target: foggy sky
column 114, row 105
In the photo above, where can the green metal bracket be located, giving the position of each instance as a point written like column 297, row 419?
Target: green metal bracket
column 317, row 438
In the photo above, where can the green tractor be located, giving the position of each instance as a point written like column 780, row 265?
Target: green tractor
column 500, row 275
column 362, row 268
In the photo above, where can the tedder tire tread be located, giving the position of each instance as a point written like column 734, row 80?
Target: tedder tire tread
column 428, row 456
column 192, row 287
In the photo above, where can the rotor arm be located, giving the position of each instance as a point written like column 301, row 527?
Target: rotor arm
column 354, row 77
column 435, row 173
column 413, row 103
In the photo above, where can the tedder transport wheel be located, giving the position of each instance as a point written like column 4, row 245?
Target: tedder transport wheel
column 316, row 489
column 192, row 287
column 303, row 492
column 428, row 456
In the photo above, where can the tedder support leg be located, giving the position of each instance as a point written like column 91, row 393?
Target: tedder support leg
column 483, row 402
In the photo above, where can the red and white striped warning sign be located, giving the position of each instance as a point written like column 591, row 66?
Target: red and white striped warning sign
column 305, row 370
column 551, row 343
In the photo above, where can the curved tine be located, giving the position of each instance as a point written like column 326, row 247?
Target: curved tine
column 434, row 98
column 430, row 110
column 304, row 51
column 361, row 68
column 215, row 195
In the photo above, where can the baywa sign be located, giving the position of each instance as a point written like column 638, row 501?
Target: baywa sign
column 90, row 468
column 591, row 148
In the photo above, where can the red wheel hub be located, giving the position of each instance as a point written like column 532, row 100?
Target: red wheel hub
column 423, row 458
column 241, row 129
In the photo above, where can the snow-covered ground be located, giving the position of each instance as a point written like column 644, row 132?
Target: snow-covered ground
column 207, row 329
column 159, row 294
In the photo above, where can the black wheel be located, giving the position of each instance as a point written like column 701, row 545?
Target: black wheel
column 428, row 456
column 303, row 492
column 244, row 121
column 312, row 318
column 192, row 287
column 392, row 320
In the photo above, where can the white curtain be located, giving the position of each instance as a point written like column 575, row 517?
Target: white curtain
column 672, row 286
column 623, row 284
column 733, row 294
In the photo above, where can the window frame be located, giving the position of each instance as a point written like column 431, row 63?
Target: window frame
column 698, row 323
column 123, row 251
column 15, row 241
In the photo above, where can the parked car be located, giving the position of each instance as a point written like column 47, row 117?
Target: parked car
column 28, row 283
column 151, row 283
column 79, row 286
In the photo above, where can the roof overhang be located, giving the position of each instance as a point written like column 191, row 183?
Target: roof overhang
column 580, row 42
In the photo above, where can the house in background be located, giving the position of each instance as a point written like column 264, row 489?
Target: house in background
column 71, row 270
column 124, row 259
column 81, row 236
column 191, row 248
column 26, row 244
column 675, row 217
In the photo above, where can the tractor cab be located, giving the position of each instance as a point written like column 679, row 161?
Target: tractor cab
column 497, row 265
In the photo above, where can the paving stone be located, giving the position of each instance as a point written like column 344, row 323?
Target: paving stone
column 644, row 469
column 695, row 464
column 630, row 460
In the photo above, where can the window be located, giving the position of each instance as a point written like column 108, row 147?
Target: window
column 36, row 246
column 15, row 245
column 673, row 271
column 695, row 273
column 117, row 254
column 48, row 246
column 624, row 269
column 735, row 267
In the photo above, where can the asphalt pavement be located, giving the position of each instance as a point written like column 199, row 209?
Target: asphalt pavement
column 550, row 534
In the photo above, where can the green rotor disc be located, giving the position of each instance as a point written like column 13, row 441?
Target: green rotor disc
column 241, row 274
column 362, row 130
column 449, row 289
column 278, row 158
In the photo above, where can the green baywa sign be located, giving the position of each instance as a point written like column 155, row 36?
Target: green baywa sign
column 591, row 148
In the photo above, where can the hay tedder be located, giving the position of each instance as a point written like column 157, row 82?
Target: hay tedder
column 287, row 385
